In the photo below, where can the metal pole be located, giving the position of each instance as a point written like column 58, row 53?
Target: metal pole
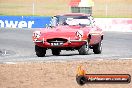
column 106, row 8
column 33, row 8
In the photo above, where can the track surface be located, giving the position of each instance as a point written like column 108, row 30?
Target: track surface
column 19, row 47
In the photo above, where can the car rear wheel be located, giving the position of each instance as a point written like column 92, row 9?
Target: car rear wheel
column 97, row 49
column 40, row 51
column 56, row 52
column 84, row 49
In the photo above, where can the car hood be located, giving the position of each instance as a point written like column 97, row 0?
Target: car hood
column 63, row 31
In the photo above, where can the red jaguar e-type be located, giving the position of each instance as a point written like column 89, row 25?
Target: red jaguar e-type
column 74, row 31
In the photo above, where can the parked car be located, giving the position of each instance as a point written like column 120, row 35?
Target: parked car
column 74, row 31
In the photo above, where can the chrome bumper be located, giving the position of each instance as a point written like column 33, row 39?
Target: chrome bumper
column 69, row 41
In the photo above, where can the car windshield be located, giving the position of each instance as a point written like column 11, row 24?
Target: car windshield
column 72, row 20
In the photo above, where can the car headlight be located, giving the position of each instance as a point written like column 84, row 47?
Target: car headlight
column 37, row 34
column 79, row 33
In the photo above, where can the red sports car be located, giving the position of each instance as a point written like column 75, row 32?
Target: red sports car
column 74, row 31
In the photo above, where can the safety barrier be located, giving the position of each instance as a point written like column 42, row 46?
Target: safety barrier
column 115, row 24
column 107, row 24
column 24, row 21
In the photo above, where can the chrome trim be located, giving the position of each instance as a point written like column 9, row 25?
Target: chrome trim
column 69, row 41
column 78, row 40
column 43, row 41
column 37, row 41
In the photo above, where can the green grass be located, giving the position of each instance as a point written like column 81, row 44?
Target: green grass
column 116, row 8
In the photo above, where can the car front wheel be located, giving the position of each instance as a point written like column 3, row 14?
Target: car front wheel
column 97, row 49
column 40, row 51
column 56, row 52
column 84, row 49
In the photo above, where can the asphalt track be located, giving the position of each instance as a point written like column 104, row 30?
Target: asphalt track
column 16, row 46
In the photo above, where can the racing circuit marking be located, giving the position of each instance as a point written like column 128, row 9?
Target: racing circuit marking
column 60, row 61
column 9, row 63
column 126, row 58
